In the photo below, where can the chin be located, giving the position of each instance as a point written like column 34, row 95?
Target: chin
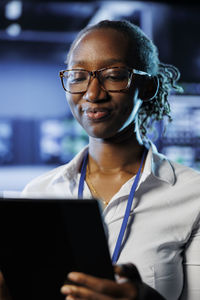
column 100, row 130
column 101, row 135
column 108, row 131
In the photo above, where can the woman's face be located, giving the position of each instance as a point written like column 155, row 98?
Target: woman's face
column 102, row 114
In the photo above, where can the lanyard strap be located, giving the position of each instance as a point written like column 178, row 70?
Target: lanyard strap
column 127, row 213
column 83, row 174
column 128, row 206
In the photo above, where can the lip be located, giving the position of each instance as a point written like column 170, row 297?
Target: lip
column 97, row 114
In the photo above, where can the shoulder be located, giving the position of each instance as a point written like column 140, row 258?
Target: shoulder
column 171, row 171
column 179, row 187
column 185, row 174
column 185, row 190
column 56, row 181
column 45, row 182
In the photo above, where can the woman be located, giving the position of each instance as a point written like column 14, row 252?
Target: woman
column 116, row 87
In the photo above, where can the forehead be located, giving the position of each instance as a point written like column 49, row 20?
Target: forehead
column 100, row 47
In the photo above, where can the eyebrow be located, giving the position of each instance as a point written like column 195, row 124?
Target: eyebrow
column 107, row 62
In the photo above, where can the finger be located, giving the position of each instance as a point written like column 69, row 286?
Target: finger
column 77, row 292
column 103, row 286
column 100, row 285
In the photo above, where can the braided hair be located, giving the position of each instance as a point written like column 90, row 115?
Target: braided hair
column 145, row 59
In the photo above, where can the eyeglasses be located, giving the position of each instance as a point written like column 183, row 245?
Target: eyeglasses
column 115, row 79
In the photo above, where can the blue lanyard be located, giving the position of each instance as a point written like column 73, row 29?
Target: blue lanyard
column 128, row 206
column 83, row 174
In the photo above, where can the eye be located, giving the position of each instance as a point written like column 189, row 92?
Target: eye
column 77, row 76
column 115, row 75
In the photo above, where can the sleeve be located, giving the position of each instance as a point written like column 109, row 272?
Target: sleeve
column 191, row 267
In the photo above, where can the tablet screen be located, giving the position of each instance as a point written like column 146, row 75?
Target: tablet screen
column 42, row 240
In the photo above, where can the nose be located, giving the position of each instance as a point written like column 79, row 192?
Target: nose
column 95, row 92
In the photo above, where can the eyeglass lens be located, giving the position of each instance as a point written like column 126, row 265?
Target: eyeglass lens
column 112, row 79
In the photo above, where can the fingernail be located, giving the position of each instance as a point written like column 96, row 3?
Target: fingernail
column 73, row 276
column 67, row 289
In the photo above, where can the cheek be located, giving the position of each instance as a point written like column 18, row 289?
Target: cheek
column 73, row 104
column 127, row 105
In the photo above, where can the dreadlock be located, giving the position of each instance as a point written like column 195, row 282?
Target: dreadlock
column 156, row 110
column 146, row 59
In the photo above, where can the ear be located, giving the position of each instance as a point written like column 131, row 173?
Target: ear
column 148, row 88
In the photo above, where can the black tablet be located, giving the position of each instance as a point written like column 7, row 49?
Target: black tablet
column 42, row 240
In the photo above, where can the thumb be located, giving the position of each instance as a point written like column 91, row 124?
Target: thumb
column 128, row 271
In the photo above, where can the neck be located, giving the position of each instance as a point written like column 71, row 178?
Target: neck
column 112, row 155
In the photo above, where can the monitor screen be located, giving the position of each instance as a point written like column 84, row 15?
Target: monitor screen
column 6, row 142
column 181, row 141
column 60, row 140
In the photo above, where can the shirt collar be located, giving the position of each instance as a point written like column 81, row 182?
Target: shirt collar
column 156, row 164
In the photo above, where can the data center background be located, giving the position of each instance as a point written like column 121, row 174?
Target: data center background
column 37, row 130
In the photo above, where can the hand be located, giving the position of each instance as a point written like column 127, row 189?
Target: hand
column 4, row 293
column 129, row 286
column 93, row 288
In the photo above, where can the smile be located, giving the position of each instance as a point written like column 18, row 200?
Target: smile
column 97, row 114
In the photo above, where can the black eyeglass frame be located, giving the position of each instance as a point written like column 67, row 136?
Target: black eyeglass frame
column 94, row 74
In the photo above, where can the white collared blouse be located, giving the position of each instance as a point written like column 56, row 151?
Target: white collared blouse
column 163, row 234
